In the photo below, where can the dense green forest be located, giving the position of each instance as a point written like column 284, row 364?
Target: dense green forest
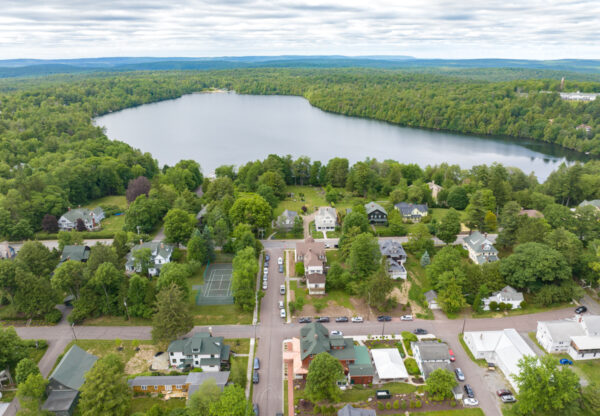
column 52, row 156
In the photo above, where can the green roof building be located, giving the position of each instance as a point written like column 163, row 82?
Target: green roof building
column 201, row 350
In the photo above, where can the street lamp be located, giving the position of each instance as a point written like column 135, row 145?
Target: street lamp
column 126, row 310
column 73, row 329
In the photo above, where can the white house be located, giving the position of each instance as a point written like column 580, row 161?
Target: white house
column 504, row 348
column 481, row 250
column 160, row 254
column 286, row 220
column 579, row 337
column 395, row 269
column 91, row 219
column 202, row 350
column 507, row 295
column 312, row 254
column 431, row 355
column 315, row 282
column 431, row 297
column 389, row 365
column 325, row 219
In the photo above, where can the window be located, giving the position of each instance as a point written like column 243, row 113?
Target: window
column 144, row 388
column 179, row 387
column 196, row 362
column 156, row 387
column 168, row 387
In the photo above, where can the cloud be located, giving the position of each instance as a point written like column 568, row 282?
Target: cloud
column 427, row 29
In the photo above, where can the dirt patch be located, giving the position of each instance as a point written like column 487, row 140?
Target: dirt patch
column 141, row 361
column 403, row 297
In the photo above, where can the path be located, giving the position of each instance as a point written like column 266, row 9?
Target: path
column 306, row 220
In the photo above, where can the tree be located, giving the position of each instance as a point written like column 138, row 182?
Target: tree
column 566, row 243
column 31, row 394
column 533, row 265
column 34, row 296
column 197, row 249
column 355, row 219
column 69, row 238
column 200, row 401
column 532, row 230
column 440, row 383
column 24, row 369
column 337, row 277
column 140, row 297
column 145, row 212
column 490, row 221
column 396, row 223
column 545, row 387
column 245, row 268
column 22, row 230
column 175, row 273
column 105, row 390
column 101, row 254
column 398, row 195
column 275, row 181
column 35, row 257
column 268, row 195
column 425, row 260
column 173, row 317
column 109, row 279
column 142, row 260
column 449, row 227
column 451, row 298
column 8, row 278
column 364, row 256
column 50, row 223
column 378, row 288
column 337, row 172
column 251, row 209
column 120, row 244
column 447, row 259
column 69, row 277
column 590, row 399
column 324, row 372
column 480, row 203
column 179, row 225
column 221, row 232
column 458, row 198
column 80, row 225
column 298, row 227
column 136, row 187
column 13, row 348
column 232, row 402
column 509, row 220
column 419, row 239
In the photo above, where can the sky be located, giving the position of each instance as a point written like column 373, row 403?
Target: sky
column 457, row 29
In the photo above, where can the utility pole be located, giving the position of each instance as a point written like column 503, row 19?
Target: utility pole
column 73, row 329
column 126, row 309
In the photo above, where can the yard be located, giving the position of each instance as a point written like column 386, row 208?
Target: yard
column 334, row 303
column 314, row 197
column 145, row 403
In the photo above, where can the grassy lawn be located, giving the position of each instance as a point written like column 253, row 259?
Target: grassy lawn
column 313, row 198
column 118, row 200
column 531, row 308
column 239, row 345
column 280, row 235
column 313, row 231
column 7, row 396
column 285, row 397
column 534, row 339
column 359, row 393
column 196, row 279
column 481, row 363
column 457, row 412
column 220, row 314
column 113, row 224
column 333, row 256
column 144, row 403
column 103, row 347
column 298, row 291
column 413, row 266
column 115, row 321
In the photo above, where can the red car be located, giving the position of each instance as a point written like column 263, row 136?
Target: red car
column 452, row 357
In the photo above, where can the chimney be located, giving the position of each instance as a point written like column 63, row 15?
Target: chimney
column 162, row 245
column 141, row 241
column 210, row 330
column 69, row 208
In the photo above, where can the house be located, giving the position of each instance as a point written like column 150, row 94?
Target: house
column 431, row 297
column 412, row 212
column 91, row 219
column 395, row 270
column 504, row 348
column 160, row 254
column 201, row 350
column 325, row 219
column 292, row 355
column 584, row 127
column 286, row 220
column 578, row 96
column 579, row 337
column 7, row 252
column 531, row 213
column 431, row 355
column 184, row 385
column 4, row 408
column 315, row 282
column 595, row 203
column 389, row 365
column 312, row 254
column 395, row 256
column 349, row 410
column 315, row 338
column 376, row 213
column 361, row 370
column 435, row 189
column 66, row 380
column 481, row 250
column 76, row 253
column 506, row 295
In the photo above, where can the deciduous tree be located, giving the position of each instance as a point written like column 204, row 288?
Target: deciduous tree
column 50, row 223
column 449, row 227
column 232, row 402
column 324, row 372
column 24, row 369
column 440, row 383
column 69, row 277
column 179, row 225
column 136, row 187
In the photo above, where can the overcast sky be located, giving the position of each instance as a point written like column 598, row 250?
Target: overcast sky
column 533, row 29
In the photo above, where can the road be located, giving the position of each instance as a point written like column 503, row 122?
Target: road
column 53, row 244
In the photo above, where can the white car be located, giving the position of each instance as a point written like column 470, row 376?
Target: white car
column 406, row 318
column 266, row 270
column 279, row 260
column 471, row 402
column 336, row 332
column 282, row 313
column 264, row 285
column 357, row 319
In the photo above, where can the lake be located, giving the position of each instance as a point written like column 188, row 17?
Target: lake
column 227, row 128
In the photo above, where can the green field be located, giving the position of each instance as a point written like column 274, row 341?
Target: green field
column 118, row 200
column 313, row 198
column 144, row 403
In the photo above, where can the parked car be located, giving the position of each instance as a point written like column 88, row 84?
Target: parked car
column 341, row 319
column 420, row 331
column 566, row 361
column 264, row 286
column 406, row 318
column 581, row 309
column 335, row 332
column 459, row 374
column 508, row 398
column 282, row 313
column 255, row 409
column 266, row 270
column 383, row 394
column 327, row 245
column 256, row 363
column 282, row 289
column 266, row 264
column 470, row 402
column 323, row 319
column 279, row 260
column 305, row 320
column 265, row 277
column 357, row 319
column 452, row 357
column 281, row 268
column 503, row 392
column 384, row 318
column 255, row 377
column 469, row 391
column 267, row 257
column 281, row 305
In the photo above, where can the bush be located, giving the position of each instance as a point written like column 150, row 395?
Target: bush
column 412, row 367
column 403, row 404
column 319, row 304
column 494, row 306
column 388, row 406
column 418, row 404
column 409, row 336
column 53, row 317
column 316, row 409
column 453, row 403
column 411, row 404
column 380, row 406
column 523, row 305
column 396, row 404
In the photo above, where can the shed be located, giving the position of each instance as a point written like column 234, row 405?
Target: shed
column 389, row 365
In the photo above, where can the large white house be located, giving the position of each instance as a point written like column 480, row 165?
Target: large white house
column 504, row 348
column 481, row 250
column 91, row 219
column 160, row 254
column 202, row 350
column 507, row 295
column 312, row 255
column 394, row 255
column 579, row 337
column 326, row 219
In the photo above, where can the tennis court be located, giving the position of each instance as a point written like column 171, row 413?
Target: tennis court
column 216, row 289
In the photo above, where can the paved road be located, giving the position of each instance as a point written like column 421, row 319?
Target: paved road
column 53, row 244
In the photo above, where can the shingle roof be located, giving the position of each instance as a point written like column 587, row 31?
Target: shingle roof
column 195, row 380
column 83, row 213
column 302, row 248
column 391, row 248
column 60, row 400
column 349, row 410
column 70, row 371
column 315, row 278
column 430, row 367
column 430, row 295
column 432, row 350
column 314, row 339
column 406, row 209
column 157, row 381
column 362, row 362
column 480, row 244
column 156, row 248
column 374, row 206
column 199, row 343
column 76, row 253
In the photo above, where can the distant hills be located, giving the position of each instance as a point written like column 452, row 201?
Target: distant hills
column 39, row 67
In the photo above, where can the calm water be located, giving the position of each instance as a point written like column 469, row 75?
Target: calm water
column 227, row 128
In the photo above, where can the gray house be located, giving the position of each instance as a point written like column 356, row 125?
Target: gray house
column 286, row 220
column 376, row 213
column 481, row 250
column 66, row 380
column 412, row 212
column 91, row 219
column 160, row 254
column 431, row 355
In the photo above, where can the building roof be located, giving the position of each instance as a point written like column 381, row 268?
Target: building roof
column 156, row 248
column 508, row 293
column 430, row 367
column 195, row 380
column 430, row 296
column 60, row 400
column 315, row 278
column 289, row 214
column 201, row 343
column 480, row 244
column 362, row 362
column 157, row 380
column 349, row 410
column 326, row 212
column 432, row 350
column 309, row 244
column 594, row 203
column 584, row 342
column 389, row 363
column 3, row 408
column 406, row 209
column 76, row 253
column 563, row 329
column 70, row 371
column 391, row 248
column 531, row 213
column 394, row 266
column 312, row 259
column 591, row 324
column 314, row 339
column 374, row 206
column 85, row 214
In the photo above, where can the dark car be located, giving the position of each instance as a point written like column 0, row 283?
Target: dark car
column 323, row 319
column 255, row 409
column 384, row 318
column 580, row 309
column 341, row 319
column 305, row 320
column 420, row 331
column 383, row 394
column 255, row 377
column 267, row 257
column 469, row 391
column 281, row 268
